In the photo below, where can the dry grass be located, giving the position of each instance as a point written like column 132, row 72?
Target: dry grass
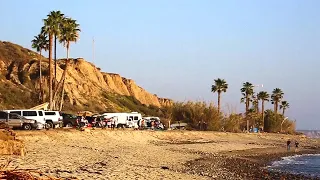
column 9, row 145
column 20, row 174
column 5, row 136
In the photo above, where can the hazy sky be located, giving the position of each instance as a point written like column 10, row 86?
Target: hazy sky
column 175, row 48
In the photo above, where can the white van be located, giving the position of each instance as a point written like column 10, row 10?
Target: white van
column 53, row 118
column 37, row 115
column 120, row 118
column 124, row 119
column 133, row 118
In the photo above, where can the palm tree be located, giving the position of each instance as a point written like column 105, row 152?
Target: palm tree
column 284, row 105
column 40, row 43
column 255, row 103
column 219, row 86
column 276, row 97
column 263, row 96
column 51, row 28
column 69, row 33
column 58, row 18
column 247, row 92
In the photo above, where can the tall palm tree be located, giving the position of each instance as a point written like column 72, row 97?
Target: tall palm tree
column 284, row 105
column 247, row 92
column 255, row 103
column 58, row 18
column 70, row 33
column 263, row 96
column 219, row 86
column 40, row 42
column 276, row 97
column 50, row 28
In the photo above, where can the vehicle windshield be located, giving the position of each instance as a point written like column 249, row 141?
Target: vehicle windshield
column 15, row 116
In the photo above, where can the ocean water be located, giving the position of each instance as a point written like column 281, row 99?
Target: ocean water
column 299, row 164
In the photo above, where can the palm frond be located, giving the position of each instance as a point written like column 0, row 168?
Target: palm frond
column 219, row 85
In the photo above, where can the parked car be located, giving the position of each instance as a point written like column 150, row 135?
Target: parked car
column 37, row 115
column 69, row 120
column 17, row 121
column 53, row 118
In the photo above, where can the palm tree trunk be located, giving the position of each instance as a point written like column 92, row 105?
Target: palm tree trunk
column 247, row 105
column 283, row 110
column 40, row 74
column 64, row 78
column 50, row 71
column 55, row 61
column 247, row 111
column 262, row 109
column 219, row 98
column 276, row 107
column 59, row 85
column 219, row 108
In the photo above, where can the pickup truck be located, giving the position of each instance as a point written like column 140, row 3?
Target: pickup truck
column 17, row 121
column 69, row 120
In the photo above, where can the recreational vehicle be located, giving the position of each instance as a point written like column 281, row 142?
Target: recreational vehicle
column 123, row 119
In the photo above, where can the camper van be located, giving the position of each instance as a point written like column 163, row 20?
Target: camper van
column 123, row 119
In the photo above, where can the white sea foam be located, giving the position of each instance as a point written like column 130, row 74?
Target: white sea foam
column 298, row 164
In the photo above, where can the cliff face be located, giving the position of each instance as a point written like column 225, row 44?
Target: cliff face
column 85, row 80
column 85, row 84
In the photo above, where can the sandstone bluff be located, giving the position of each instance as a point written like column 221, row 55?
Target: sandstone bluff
column 86, row 86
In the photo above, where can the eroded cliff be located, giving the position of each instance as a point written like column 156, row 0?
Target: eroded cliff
column 85, row 84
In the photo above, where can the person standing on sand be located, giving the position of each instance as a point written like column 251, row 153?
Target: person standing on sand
column 296, row 146
column 113, row 122
column 142, row 124
column 152, row 125
column 288, row 144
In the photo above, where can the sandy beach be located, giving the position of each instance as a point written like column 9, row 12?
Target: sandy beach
column 129, row 154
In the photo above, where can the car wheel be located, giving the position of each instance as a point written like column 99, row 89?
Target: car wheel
column 49, row 125
column 69, row 124
column 82, row 124
column 27, row 127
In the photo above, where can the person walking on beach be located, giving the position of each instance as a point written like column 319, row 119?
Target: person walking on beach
column 113, row 122
column 296, row 146
column 288, row 144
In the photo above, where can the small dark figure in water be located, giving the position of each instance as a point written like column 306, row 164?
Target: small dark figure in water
column 297, row 145
column 288, row 144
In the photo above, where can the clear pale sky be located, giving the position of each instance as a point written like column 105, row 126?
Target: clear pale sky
column 176, row 48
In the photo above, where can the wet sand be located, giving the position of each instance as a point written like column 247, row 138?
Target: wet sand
column 129, row 154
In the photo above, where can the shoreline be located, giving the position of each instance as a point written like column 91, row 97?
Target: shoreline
column 246, row 164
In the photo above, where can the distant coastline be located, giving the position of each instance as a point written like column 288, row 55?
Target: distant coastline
column 310, row 133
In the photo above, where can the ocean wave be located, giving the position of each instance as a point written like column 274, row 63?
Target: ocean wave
column 307, row 164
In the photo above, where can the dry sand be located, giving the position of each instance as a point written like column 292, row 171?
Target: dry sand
column 129, row 154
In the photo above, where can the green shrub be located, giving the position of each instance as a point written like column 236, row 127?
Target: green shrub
column 195, row 112
column 233, row 123
column 276, row 123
